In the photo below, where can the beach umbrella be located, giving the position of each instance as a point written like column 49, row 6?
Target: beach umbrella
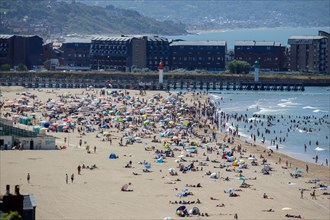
column 146, row 167
column 181, row 208
column 146, row 122
column 241, row 178
column 297, row 171
column 176, row 138
column 171, row 169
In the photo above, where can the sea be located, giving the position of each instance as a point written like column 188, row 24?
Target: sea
column 299, row 117
column 280, row 35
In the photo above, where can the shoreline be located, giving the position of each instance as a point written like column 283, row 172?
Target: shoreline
column 95, row 192
column 197, row 32
column 286, row 146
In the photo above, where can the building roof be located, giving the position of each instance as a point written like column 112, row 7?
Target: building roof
column 5, row 36
column 199, row 43
column 304, row 39
column 257, row 43
column 77, row 40
column 112, row 38
column 156, row 38
column 29, row 202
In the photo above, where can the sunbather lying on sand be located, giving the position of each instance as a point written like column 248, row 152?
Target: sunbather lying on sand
column 292, row 216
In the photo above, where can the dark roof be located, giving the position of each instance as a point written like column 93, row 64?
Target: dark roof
column 5, row 36
column 304, row 39
column 257, row 43
column 199, row 43
column 111, row 38
column 156, row 38
column 29, row 202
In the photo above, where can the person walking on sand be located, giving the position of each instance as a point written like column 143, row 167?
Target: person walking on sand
column 28, row 178
column 307, row 168
column 66, row 178
column 302, row 193
column 94, row 149
column 313, row 194
column 79, row 169
column 72, row 178
column 316, row 158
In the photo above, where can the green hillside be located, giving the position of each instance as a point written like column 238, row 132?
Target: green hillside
column 44, row 17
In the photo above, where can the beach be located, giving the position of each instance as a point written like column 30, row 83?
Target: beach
column 157, row 193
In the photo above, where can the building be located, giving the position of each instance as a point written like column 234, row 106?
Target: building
column 25, row 205
column 202, row 55
column 271, row 55
column 13, row 137
column 118, row 53
column 21, row 49
column 327, row 35
column 309, row 53
column 75, row 54
column 6, row 49
column 157, row 48
column 52, row 56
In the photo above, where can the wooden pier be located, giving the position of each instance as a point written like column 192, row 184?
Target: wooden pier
column 191, row 85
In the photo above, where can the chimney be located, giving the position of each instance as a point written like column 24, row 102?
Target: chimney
column 7, row 189
column 17, row 190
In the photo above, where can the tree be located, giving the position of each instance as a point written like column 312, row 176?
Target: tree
column 11, row 216
column 21, row 67
column 237, row 66
column 5, row 67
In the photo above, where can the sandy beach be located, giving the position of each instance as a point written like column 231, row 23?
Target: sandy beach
column 96, row 193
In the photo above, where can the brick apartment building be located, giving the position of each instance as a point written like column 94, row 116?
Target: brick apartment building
column 310, row 53
column 271, row 55
column 157, row 48
column 203, row 55
column 76, row 53
column 118, row 53
column 128, row 52
column 25, row 49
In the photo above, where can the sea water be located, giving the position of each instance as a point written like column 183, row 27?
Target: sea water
column 280, row 34
column 301, row 118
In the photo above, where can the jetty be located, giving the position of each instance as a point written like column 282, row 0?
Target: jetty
column 202, row 82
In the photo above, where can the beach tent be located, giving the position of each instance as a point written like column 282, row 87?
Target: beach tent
column 160, row 160
column 112, row 156
column 146, row 168
column 194, row 211
column 37, row 128
column 25, row 120
column 213, row 176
